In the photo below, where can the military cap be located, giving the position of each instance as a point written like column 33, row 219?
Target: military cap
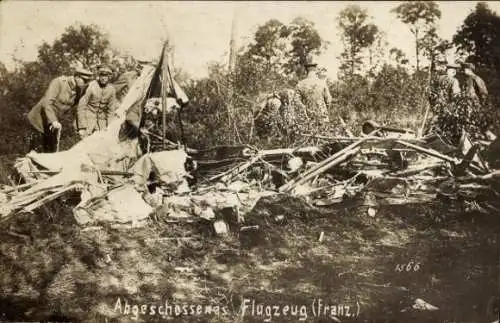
column 469, row 66
column 452, row 65
column 104, row 70
column 85, row 74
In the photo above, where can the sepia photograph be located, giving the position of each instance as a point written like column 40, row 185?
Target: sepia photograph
column 250, row 161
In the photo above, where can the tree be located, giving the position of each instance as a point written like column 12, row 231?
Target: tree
column 357, row 34
column 305, row 43
column 3, row 70
column 86, row 44
column 434, row 47
column 422, row 17
column 391, row 90
column 276, row 56
column 377, row 54
column 271, row 62
column 262, row 64
column 232, row 45
column 270, row 47
column 479, row 37
column 398, row 56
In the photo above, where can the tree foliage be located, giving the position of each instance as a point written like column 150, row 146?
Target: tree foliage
column 478, row 41
column 231, row 101
column 281, row 49
column 397, row 56
column 305, row 43
column 357, row 34
column 479, row 37
column 421, row 17
column 270, row 46
column 85, row 44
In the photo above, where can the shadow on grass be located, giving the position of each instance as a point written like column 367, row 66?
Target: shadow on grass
column 457, row 256
column 280, row 263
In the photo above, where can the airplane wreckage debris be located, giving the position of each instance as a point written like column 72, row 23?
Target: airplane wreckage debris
column 368, row 171
column 114, row 183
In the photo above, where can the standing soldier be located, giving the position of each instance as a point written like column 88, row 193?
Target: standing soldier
column 316, row 97
column 97, row 105
column 449, row 86
column 475, row 104
column 59, row 98
column 474, row 86
column 468, row 113
column 445, row 91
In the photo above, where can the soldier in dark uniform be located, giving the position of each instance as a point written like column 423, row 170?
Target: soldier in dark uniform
column 474, row 86
column 468, row 111
column 60, row 97
column 445, row 90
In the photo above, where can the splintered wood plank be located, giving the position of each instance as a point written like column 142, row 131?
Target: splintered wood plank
column 49, row 198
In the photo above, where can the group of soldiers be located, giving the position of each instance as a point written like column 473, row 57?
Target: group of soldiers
column 294, row 111
column 95, row 100
column 460, row 107
column 456, row 106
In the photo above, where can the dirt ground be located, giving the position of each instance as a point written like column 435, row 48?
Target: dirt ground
column 364, row 268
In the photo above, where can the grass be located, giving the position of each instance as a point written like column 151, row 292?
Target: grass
column 60, row 272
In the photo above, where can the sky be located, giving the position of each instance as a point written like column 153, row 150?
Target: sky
column 200, row 30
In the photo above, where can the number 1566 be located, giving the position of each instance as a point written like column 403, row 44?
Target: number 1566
column 411, row 266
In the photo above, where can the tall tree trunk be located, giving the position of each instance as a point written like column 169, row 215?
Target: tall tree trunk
column 231, row 67
column 232, row 46
column 353, row 57
column 417, row 50
column 370, row 51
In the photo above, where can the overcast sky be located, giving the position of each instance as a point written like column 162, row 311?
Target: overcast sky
column 200, row 30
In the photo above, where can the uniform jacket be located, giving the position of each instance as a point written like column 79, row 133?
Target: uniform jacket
column 97, row 101
column 315, row 96
column 58, row 99
column 449, row 87
column 476, row 88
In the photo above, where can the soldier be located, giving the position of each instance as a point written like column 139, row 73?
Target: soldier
column 445, row 90
column 97, row 105
column 449, row 86
column 468, row 113
column 474, row 86
column 292, row 113
column 60, row 97
column 316, row 97
column 475, row 103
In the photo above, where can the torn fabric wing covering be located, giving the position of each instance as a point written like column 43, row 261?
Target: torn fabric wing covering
column 122, row 204
column 174, row 93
